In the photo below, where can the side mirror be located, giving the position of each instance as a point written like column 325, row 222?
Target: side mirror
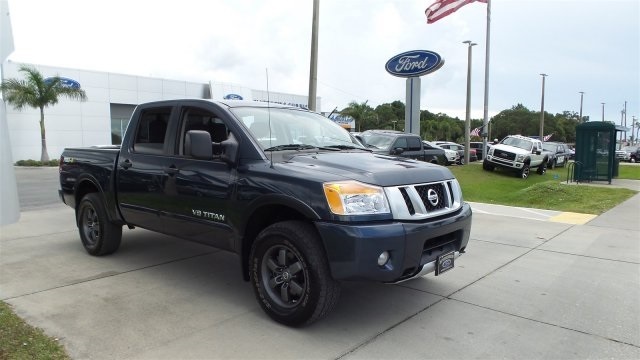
column 397, row 151
column 229, row 150
column 537, row 151
column 197, row 144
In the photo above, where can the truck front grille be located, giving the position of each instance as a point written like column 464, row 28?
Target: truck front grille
column 504, row 155
column 421, row 201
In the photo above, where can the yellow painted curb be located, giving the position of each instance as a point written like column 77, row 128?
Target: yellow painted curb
column 573, row 218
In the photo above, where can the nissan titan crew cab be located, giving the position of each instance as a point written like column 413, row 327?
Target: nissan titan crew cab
column 518, row 154
column 301, row 202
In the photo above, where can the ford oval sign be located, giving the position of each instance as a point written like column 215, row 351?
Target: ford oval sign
column 65, row 82
column 232, row 97
column 414, row 63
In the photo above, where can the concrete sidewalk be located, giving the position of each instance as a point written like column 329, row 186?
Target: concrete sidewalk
column 527, row 288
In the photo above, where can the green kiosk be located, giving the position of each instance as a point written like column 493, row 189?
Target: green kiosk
column 596, row 152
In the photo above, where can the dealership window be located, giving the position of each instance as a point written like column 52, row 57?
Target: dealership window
column 118, row 126
column 120, row 115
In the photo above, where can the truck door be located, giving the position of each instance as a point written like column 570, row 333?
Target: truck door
column 141, row 169
column 411, row 145
column 197, row 192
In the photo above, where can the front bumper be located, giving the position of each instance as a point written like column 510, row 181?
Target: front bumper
column 511, row 164
column 353, row 249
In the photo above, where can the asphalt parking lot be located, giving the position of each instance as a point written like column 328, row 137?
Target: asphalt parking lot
column 528, row 287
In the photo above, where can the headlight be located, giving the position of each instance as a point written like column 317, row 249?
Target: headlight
column 355, row 198
column 491, row 151
column 520, row 158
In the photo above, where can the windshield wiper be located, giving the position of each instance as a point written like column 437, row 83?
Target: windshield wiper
column 341, row 147
column 290, row 147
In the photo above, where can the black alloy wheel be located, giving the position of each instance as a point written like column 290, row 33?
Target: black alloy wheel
column 290, row 274
column 99, row 236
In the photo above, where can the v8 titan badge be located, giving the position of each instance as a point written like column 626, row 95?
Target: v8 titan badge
column 445, row 262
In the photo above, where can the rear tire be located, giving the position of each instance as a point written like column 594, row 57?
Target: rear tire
column 542, row 168
column 99, row 236
column 290, row 274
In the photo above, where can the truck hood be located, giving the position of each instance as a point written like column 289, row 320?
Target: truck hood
column 509, row 148
column 382, row 170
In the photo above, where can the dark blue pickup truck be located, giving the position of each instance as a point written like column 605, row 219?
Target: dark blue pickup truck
column 301, row 202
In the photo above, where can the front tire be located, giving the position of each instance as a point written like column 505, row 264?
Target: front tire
column 524, row 172
column 487, row 166
column 99, row 236
column 290, row 274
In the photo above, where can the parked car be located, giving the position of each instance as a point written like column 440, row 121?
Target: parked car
column 477, row 146
column 628, row 153
column 519, row 154
column 302, row 204
column 398, row 143
column 459, row 149
column 635, row 156
column 559, row 153
column 452, row 156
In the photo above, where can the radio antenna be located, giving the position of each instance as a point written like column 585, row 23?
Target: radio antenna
column 266, row 70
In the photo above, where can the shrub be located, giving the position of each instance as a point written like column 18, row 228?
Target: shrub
column 31, row 162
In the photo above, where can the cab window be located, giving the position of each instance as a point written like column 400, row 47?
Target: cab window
column 152, row 131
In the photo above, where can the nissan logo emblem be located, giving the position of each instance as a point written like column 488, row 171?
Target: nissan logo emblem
column 432, row 196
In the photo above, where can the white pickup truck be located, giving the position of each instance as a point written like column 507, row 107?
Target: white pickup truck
column 519, row 154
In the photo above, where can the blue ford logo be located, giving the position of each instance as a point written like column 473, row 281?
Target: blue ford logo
column 414, row 63
column 446, row 263
column 65, row 82
column 232, row 97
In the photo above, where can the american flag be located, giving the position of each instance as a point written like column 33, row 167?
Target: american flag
column 475, row 132
column 442, row 8
column 547, row 137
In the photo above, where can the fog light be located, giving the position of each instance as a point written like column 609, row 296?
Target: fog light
column 383, row 258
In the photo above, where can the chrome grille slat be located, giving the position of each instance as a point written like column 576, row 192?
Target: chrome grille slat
column 410, row 202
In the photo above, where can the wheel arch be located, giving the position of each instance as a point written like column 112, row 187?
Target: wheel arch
column 88, row 184
column 267, row 211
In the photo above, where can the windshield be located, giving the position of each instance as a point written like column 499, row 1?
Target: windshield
column 293, row 129
column 378, row 141
column 549, row 147
column 519, row 143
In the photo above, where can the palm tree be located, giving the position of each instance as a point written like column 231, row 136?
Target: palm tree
column 37, row 92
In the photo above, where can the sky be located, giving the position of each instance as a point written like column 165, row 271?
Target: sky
column 583, row 45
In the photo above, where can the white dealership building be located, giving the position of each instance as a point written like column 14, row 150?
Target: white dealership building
column 111, row 98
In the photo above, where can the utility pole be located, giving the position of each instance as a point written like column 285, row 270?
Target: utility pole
column 467, row 122
column 542, row 109
column 625, row 120
column 581, row 98
column 313, row 67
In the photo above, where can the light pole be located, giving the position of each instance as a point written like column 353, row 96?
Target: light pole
column 467, row 122
column 581, row 98
column 602, row 111
column 542, row 109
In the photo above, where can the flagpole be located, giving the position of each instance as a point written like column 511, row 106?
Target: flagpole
column 485, row 121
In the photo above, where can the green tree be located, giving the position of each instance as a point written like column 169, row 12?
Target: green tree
column 366, row 118
column 37, row 92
